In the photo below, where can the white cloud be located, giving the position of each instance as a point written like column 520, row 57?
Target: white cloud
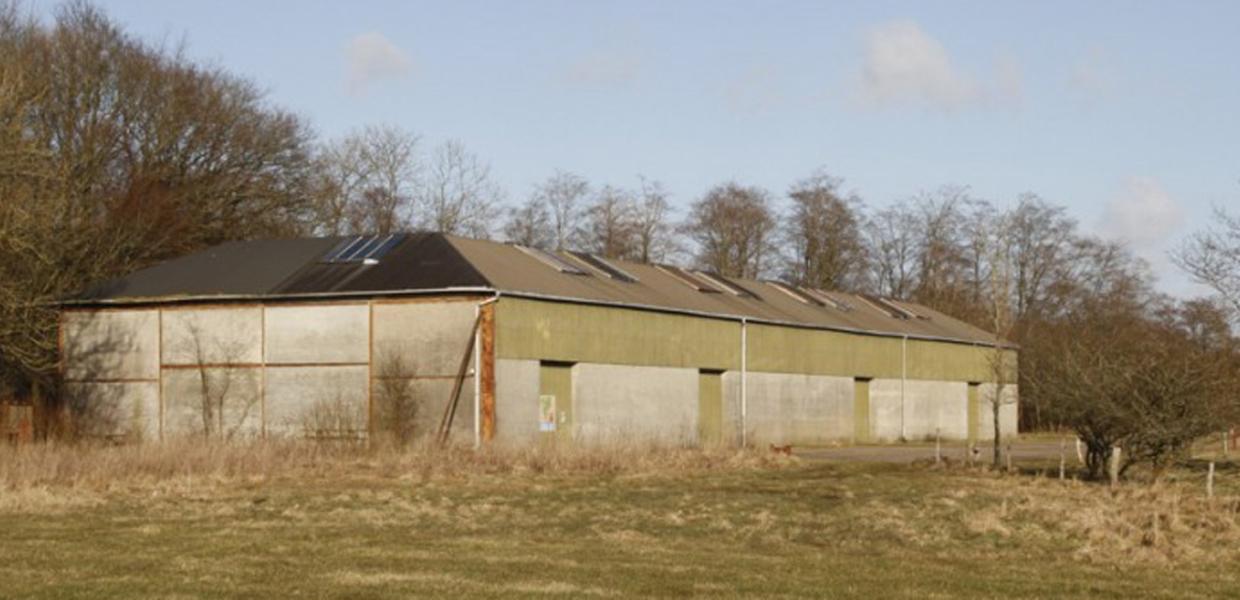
column 372, row 58
column 904, row 65
column 1144, row 214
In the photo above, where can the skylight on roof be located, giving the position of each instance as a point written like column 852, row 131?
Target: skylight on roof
column 688, row 279
column 799, row 295
column 887, row 306
column 723, row 282
column 827, row 299
column 553, row 261
column 363, row 249
column 601, row 265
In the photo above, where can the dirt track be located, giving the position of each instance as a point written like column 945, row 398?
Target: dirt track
column 1021, row 451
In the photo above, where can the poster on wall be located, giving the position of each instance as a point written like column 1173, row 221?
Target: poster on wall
column 546, row 412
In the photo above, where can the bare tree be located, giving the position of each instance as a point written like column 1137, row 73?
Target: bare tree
column 1001, row 322
column 115, row 154
column 822, row 233
column 733, row 228
column 1122, row 377
column 1041, row 238
column 563, row 195
column 459, row 197
column 1212, row 258
column 397, row 403
column 609, row 228
column 892, row 242
column 655, row 235
column 530, row 225
column 941, row 257
column 368, row 181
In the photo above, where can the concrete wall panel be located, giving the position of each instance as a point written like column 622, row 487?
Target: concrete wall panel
column 937, row 405
column 428, row 337
column 799, row 409
column 622, row 402
column 212, row 336
column 885, row 407
column 516, row 401
column 318, row 334
column 1007, row 411
column 432, row 397
column 316, row 400
column 111, row 345
column 925, row 407
column 236, row 389
column 117, row 409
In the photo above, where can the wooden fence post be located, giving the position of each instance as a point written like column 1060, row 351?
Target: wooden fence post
column 938, row 448
column 1210, row 481
column 1063, row 458
column 1113, row 470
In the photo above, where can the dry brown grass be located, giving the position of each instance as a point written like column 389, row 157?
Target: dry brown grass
column 1162, row 522
column 60, row 475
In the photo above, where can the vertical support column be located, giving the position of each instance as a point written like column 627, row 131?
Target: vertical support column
column 370, row 370
column 486, row 370
column 903, row 380
column 159, row 351
column 262, row 370
column 744, row 383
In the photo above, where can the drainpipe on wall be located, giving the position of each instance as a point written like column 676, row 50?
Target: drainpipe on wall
column 478, row 369
column 903, row 377
column 744, row 382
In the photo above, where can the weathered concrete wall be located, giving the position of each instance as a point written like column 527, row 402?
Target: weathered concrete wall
column 625, row 402
column 428, row 337
column 212, row 336
column 323, row 401
column 338, row 333
column 118, row 409
column 516, row 401
column 799, row 409
column 1007, row 411
column 927, row 406
column 937, row 405
column 237, row 390
column 885, row 410
column 113, row 345
column 417, row 348
column 731, row 381
column 432, row 397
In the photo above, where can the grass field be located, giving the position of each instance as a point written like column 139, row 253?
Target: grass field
column 195, row 522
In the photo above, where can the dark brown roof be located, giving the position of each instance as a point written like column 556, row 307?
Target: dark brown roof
column 423, row 262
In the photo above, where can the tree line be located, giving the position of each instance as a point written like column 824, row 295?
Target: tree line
column 116, row 153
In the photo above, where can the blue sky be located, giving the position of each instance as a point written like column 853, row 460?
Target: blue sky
column 1126, row 112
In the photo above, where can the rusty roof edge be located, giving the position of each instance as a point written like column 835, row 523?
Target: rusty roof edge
column 528, row 295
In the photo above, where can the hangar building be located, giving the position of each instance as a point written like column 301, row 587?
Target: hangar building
column 347, row 335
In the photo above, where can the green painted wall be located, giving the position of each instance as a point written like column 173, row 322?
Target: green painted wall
column 560, row 331
column 541, row 330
